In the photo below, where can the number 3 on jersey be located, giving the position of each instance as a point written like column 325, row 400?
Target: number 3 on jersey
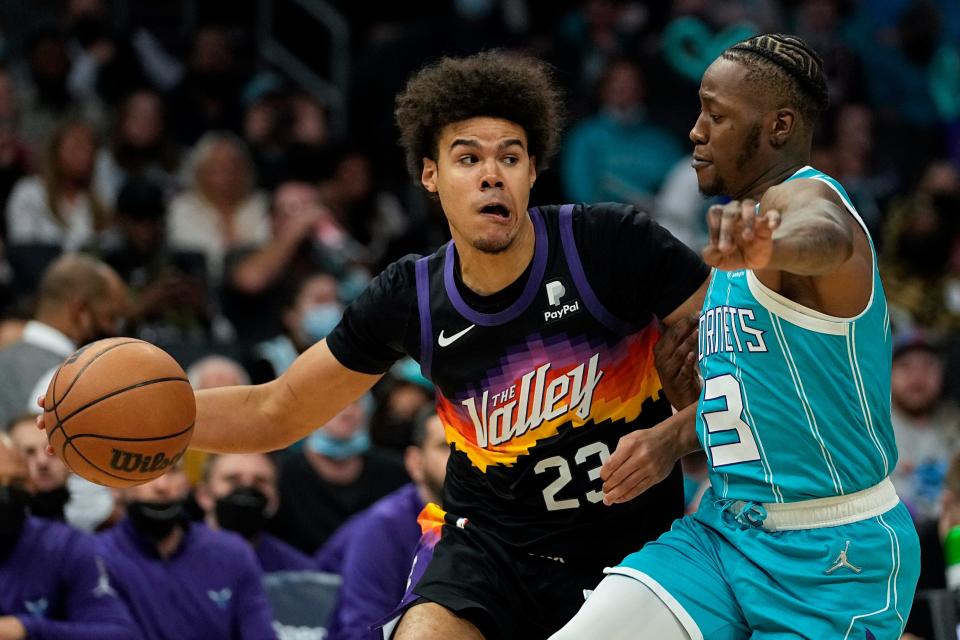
column 728, row 419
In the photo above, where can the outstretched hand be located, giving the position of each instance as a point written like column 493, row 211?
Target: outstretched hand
column 642, row 459
column 40, row 424
column 740, row 237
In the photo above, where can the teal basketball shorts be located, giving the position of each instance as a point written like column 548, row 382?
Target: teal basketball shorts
column 842, row 567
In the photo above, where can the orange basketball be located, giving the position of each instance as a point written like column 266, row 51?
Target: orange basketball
column 119, row 412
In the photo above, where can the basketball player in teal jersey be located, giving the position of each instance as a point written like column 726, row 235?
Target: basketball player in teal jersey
column 802, row 534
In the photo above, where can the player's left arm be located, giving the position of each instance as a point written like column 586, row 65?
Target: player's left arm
column 800, row 241
column 821, row 245
column 816, row 233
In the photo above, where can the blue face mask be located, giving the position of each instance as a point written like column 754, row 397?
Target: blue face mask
column 322, row 444
column 319, row 320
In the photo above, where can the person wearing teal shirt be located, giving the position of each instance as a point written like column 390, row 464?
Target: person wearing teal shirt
column 618, row 154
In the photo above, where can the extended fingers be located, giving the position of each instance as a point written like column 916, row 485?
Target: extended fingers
column 714, row 214
column 748, row 217
column 729, row 222
column 631, row 486
column 773, row 220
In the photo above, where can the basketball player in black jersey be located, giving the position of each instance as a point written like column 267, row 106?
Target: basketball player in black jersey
column 537, row 328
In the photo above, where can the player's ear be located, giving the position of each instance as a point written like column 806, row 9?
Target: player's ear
column 533, row 170
column 204, row 498
column 782, row 127
column 428, row 178
column 413, row 461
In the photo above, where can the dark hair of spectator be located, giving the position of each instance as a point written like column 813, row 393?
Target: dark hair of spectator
column 23, row 417
column 490, row 84
column 53, row 176
column 418, row 434
column 786, row 67
column 141, row 199
column 165, row 152
column 72, row 276
column 206, row 469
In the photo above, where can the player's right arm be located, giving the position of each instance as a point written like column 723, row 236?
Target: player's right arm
column 276, row 414
column 377, row 329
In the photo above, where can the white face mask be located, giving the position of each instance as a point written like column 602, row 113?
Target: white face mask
column 89, row 505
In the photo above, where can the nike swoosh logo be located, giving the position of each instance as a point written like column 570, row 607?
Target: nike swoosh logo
column 444, row 341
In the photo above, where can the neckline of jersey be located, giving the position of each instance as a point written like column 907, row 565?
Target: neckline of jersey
column 536, row 272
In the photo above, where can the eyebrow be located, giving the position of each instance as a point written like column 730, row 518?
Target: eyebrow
column 466, row 142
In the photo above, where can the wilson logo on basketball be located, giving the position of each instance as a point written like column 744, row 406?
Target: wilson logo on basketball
column 129, row 461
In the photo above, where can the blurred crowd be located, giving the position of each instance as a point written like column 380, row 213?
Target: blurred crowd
column 169, row 184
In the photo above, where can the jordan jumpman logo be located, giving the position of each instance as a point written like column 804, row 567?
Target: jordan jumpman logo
column 842, row 561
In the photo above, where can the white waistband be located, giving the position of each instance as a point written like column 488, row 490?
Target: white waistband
column 827, row 512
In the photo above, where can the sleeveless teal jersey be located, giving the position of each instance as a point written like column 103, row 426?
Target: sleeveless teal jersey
column 795, row 403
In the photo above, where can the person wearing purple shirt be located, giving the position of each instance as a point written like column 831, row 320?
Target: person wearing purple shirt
column 238, row 492
column 183, row 580
column 374, row 550
column 52, row 583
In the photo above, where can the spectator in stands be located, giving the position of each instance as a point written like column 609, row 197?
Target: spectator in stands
column 182, row 579
column 310, row 126
column 364, row 219
column 60, row 207
column 208, row 96
column 933, row 531
column 926, row 424
column 404, row 392
column 309, row 314
column 14, row 155
column 105, row 64
column 170, row 298
column 618, row 154
column 680, row 207
column 45, row 99
column 266, row 120
column 139, row 146
column 335, row 475
column 48, row 474
column 589, row 37
column 53, row 584
column 216, row 371
column 238, row 493
column 80, row 299
column 373, row 551
column 851, row 156
column 221, row 210
column 921, row 264
column 260, row 280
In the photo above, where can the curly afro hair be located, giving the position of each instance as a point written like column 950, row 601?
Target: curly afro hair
column 490, row 84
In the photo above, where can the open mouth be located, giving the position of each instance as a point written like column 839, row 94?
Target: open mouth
column 496, row 210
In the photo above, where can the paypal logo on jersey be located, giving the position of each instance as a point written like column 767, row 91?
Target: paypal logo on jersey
column 726, row 329
column 555, row 292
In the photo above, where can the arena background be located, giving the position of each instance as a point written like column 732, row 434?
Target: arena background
column 280, row 113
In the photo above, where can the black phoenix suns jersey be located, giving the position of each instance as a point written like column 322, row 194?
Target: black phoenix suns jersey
column 537, row 383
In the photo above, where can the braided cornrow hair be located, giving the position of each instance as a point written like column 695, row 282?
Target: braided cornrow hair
column 789, row 55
